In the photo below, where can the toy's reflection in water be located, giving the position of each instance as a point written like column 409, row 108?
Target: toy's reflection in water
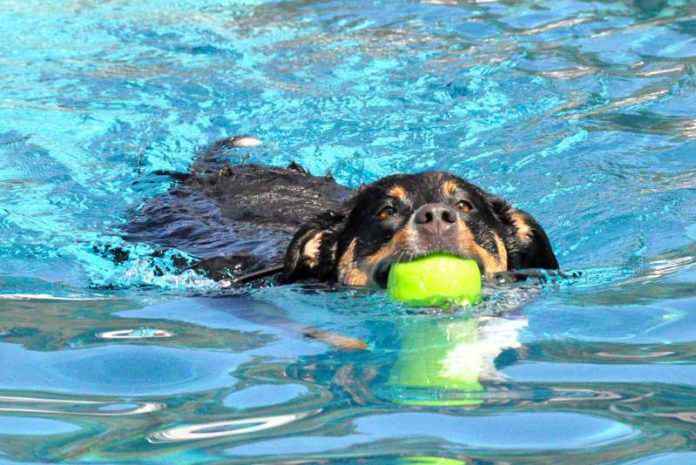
column 443, row 361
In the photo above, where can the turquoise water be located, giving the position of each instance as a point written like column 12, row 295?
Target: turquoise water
column 581, row 112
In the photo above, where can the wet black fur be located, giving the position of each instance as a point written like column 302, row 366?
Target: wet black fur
column 244, row 218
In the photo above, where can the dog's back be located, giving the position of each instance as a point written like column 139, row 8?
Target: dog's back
column 237, row 218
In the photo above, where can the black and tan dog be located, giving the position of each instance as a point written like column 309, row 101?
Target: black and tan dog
column 247, row 221
column 404, row 217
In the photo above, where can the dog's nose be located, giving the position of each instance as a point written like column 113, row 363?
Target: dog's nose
column 436, row 218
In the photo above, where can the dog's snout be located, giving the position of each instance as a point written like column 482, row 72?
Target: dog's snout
column 434, row 213
column 436, row 218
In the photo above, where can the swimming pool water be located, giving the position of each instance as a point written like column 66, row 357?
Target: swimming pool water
column 582, row 112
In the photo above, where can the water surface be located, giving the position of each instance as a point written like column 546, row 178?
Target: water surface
column 580, row 112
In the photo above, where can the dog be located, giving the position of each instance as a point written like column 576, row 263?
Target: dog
column 408, row 216
column 247, row 222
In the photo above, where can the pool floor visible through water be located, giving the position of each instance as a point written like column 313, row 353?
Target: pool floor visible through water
column 581, row 112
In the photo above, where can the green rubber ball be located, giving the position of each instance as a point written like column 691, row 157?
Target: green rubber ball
column 438, row 280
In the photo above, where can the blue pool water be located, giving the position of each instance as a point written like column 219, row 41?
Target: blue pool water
column 582, row 112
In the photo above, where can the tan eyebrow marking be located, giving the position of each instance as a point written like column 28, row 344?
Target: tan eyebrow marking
column 399, row 192
column 449, row 187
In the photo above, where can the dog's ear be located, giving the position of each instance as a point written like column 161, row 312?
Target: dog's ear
column 527, row 242
column 311, row 249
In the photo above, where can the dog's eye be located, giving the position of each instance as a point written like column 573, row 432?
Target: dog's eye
column 386, row 212
column 464, row 206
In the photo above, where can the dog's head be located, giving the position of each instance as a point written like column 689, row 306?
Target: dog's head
column 403, row 217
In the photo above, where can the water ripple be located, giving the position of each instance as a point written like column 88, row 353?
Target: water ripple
column 74, row 407
column 225, row 428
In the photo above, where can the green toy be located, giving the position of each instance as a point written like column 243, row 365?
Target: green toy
column 438, row 280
